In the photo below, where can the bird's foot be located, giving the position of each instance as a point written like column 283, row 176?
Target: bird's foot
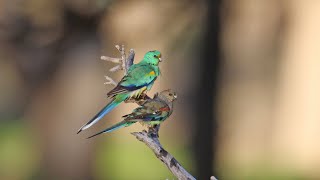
column 144, row 131
column 153, row 135
column 153, row 132
column 137, row 100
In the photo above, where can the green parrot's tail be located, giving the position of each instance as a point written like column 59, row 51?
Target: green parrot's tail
column 114, row 127
column 114, row 103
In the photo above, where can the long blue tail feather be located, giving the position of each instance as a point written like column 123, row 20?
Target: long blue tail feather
column 114, row 127
column 102, row 113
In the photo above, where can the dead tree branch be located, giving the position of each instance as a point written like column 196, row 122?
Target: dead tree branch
column 110, row 81
column 123, row 63
column 164, row 156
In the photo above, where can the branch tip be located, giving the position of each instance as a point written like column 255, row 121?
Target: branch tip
column 110, row 59
column 110, row 81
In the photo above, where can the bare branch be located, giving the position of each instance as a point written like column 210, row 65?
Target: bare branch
column 164, row 156
column 110, row 81
column 124, row 64
column 113, row 60
column 116, row 68
column 213, row 178
column 110, row 59
column 122, row 51
column 129, row 60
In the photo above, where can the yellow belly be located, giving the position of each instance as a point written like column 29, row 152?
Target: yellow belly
column 137, row 93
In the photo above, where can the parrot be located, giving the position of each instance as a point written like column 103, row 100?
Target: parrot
column 152, row 112
column 139, row 79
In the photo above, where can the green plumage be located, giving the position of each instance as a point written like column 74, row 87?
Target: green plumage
column 135, row 73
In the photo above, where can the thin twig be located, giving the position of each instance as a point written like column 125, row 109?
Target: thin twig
column 121, row 61
column 213, row 178
column 113, row 60
column 110, row 81
column 116, row 68
column 110, row 59
column 124, row 63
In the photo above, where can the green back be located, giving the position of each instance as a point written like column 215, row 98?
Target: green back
column 141, row 74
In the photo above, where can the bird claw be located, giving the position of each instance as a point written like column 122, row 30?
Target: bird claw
column 153, row 131
column 144, row 131
column 140, row 100
column 153, row 135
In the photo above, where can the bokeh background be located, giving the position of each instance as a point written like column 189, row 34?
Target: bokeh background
column 246, row 72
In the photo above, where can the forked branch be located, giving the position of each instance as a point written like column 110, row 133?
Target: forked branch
column 123, row 62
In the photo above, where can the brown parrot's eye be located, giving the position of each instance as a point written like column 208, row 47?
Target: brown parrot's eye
column 170, row 94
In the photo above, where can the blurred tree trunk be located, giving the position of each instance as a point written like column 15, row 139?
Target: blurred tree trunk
column 266, row 111
column 249, row 40
column 205, row 122
column 57, row 92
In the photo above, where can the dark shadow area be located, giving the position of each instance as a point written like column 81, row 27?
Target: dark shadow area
column 205, row 122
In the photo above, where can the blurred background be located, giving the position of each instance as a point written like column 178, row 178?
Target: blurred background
column 246, row 72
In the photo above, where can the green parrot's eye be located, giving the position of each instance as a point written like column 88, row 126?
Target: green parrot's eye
column 155, row 56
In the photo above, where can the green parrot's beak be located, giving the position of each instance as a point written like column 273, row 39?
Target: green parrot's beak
column 160, row 59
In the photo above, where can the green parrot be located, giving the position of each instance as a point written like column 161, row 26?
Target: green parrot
column 152, row 112
column 140, row 78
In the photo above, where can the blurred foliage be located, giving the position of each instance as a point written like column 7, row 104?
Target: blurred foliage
column 118, row 159
column 19, row 152
column 261, row 171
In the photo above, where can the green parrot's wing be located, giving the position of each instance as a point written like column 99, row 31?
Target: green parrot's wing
column 139, row 76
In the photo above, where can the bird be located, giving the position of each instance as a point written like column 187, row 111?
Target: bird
column 139, row 79
column 151, row 113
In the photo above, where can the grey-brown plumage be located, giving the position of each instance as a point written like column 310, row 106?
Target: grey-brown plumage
column 152, row 112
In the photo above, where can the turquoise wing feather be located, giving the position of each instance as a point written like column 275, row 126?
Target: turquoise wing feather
column 139, row 76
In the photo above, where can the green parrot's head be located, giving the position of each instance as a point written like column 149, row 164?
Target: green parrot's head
column 152, row 57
